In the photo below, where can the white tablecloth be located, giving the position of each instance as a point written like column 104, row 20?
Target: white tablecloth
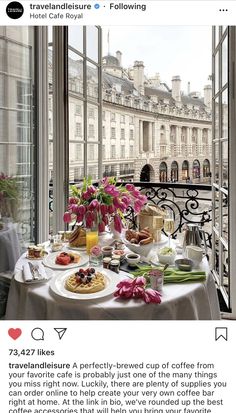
column 189, row 301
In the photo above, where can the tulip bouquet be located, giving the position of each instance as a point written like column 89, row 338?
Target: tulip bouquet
column 136, row 288
column 103, row 203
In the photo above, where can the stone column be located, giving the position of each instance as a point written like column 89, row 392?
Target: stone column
column 141, row 136
column 150, row 143
column 189, row 140
column 178, row 139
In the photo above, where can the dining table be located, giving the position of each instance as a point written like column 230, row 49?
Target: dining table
column 180, row 301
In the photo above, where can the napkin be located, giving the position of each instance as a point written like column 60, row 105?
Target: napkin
column 27, row 275
column 177, row 276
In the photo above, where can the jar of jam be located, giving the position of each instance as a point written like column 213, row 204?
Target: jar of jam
column 115, row 266
column 106, row 262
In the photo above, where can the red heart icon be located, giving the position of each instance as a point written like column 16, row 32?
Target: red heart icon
column 14, row 333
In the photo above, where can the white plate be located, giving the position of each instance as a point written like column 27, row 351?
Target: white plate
column 20, row 279
column 49, row 261
column 76, row 248
column 57, row 285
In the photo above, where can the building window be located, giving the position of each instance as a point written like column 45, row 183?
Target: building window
column 78, row 129
column 122, row 151
column 131, row 134
column 113, row 133
column 78, row 109
column 91, row 113
column 91, row 152
column 122, row 118
column 122, row 133
column 131, row 119
column 78, row 150
column 103, row 132
column 113, row 151
column 104, row 151
column 91, row 131
column 131, row 151
column 103, row 115
column 113, row 116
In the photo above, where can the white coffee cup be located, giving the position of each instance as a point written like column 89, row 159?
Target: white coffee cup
column 194, row 253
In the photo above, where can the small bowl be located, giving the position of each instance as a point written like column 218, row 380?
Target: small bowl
column 166, row 259
column 184, row 264
column 132, row 259
column 121, row 254
column 107, row 251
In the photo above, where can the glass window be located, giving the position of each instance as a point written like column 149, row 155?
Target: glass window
column 131, row 134
column 113, row 132
column 122, row 133
column 113, row 151
column 75, row 38
column 122, row 151
column 81, row 102
column 225, row 61
column 92, row 42
column 113, row 116
column 17, row 138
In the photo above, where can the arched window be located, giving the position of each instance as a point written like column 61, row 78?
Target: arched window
column 206, row 168
column 163, row 172
column 196, row 169
column 147, row 173
column 174, row 171
column 185, row 170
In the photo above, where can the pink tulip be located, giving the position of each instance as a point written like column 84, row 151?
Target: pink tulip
column 137, row 206
column 129, row 187
column 151, row 296
column 126, row 200
column 75, row 208
column 67, row 217
column 135, row 193
column 111, row 209
column 116, row 202
column 89, row 219
column 111, row 190
column 117, row 223
column 80, row 218
column 142, row 198
column 91, row 190
column 81, row 210
column 73, row 200
column 103, row 209
column 86, row 195
column 94, row 204
column 105, row 219
column 101, row 226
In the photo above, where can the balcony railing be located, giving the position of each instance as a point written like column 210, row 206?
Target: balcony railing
column 190, row 203
column 126, row 172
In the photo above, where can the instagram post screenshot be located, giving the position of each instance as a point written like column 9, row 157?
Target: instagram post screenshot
column 117, row 206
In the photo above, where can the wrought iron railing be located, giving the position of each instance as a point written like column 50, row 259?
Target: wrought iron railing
column 190, row 203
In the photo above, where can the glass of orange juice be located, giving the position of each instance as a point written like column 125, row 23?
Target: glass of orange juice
column 91, row 239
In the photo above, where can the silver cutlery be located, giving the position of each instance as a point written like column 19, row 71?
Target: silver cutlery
column 34, row 271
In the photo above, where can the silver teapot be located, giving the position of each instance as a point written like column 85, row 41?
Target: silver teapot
column 194, row 236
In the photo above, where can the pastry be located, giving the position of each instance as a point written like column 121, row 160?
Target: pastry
column 85, row 282
column 78, row 238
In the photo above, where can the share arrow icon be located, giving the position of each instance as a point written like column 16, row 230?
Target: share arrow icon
column 60, row 332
